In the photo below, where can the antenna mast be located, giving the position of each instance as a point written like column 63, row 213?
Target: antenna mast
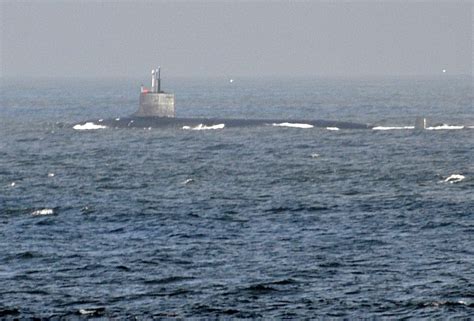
column 159, row 79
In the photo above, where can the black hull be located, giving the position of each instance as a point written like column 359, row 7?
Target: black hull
column 160, row 122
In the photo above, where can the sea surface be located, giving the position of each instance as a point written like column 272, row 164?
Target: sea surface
column 264, row 222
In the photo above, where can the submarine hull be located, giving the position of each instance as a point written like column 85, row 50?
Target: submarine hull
column 163, row 122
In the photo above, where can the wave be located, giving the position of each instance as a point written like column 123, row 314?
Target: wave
column 204, row 127
column 188, row 181
column 293, row 125
column 445, row 303
column 455, row 178
column 44, row 211
column 88, row 126
column 332, row 128
column 392, row 127
column 92, row 312
column 445, row 126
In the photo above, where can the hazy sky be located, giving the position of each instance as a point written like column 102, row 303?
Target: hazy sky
column 231, row 39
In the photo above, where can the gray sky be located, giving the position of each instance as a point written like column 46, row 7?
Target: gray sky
column 232, row 39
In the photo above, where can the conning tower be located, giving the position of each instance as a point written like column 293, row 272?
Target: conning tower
column 154, row 102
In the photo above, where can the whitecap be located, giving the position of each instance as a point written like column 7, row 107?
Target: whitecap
column 86, row 312
column 44, row 211
column 92, row 312
column 204, row 127
column 188, row 181
column 314, row 155
column 332, row 128
column 445, row 126
column 88, row 126
column 293, row 125
column 455, row 178
column 392, row 127
column 101, row 120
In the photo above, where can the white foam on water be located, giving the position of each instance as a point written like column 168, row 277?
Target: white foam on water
column 293, row 125
column 204, row 127
column 332, row 128
column 117, row 119
column 455, row 178
column 44, row 211
column 470, row 127
column 392, row 127
column 314, row 155
column 88, row 126
column 101, row 120
column 50, row 174
column 188, row 181
column 87, row 312
column 445, row 126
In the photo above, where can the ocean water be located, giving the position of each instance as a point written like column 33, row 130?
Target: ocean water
column 264, row 222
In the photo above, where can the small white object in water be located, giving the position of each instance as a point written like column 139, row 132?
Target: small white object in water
column 314, row 155
column 101, row 120
column 12, row 184
column 293, row 125
column 444, row 70
column 332, row 128
column 117, row 119
column 231, row 80
column 455, row 178
column 88, row 126
column 50, row 174
column 45, row 211
column 189, row 180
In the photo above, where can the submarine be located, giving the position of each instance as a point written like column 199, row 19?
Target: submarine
column 157, row 110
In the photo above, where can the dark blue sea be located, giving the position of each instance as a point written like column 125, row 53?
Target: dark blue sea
column 265, row 222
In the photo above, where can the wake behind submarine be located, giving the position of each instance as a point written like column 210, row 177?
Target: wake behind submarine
column 157, row 110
